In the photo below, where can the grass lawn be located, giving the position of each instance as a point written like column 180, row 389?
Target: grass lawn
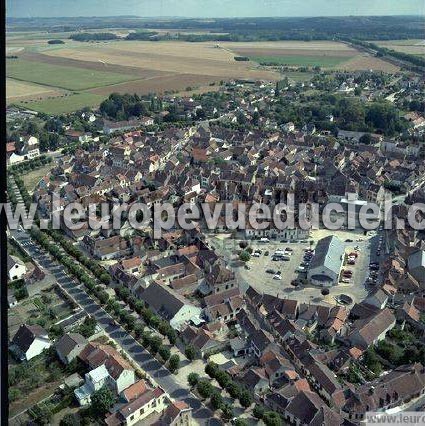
column 63, row 104
column 301, row 61
column 32, row 178
column 298, row 76
column 64, row 77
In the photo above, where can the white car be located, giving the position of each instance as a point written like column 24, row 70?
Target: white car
column 256, row 254
column 277, row 277
column 345, row 280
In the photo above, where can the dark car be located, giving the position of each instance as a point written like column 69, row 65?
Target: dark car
column 270, row 271
column 348, row 241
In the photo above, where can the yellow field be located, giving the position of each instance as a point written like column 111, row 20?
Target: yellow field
column 413, row 47
column 174, row 57
column 20, row 89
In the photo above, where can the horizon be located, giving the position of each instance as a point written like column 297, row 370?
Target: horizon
column 202, row 9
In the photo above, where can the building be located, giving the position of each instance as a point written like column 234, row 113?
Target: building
column 30, row 148
column 149, row 402
column 369, row 331
column 29, row 341
column 94, row 380
column 16, row 269
column 398, row 387
column 177, row 413
column 69, row 346
column 170, row 305
column 121, row 373
column 416, row 265
column 326, row 264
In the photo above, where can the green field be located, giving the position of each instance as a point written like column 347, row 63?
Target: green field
column 70, row 78
column 300, row 61
column 64, row 104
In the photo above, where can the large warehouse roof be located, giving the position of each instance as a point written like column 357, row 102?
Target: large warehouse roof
column 328, row 254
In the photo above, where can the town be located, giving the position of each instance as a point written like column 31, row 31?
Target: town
column 220, row 326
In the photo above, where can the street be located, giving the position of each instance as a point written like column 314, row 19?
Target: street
column 135, row 350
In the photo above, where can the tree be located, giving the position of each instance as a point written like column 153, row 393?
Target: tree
column 366, row 139
column 88, row 327
column 193, row 379
column 216, row 400
column 245, row 398
column 222, row 378
column 258, row 411
column 272, row 418
column 138, row 329
column 190, row 352
column 69, row 420
column 244, row 256
column 173, row 363
column 241, row 422
column 211, row 369
column 226, row 411
column 101, row 401
column 155, row 344
column 204, row 387
column 164, row 352
column 233, row 389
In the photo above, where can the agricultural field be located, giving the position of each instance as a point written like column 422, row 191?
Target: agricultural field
column 71, row 78
column 63, row 78
column 16, row 89
column 412, row 47
column 62, row 104
column 325, row 54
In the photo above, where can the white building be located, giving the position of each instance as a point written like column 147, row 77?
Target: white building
column 16, row 269
column 95, row 380
column 170, row 305
column 326, row 264
column 29, row 341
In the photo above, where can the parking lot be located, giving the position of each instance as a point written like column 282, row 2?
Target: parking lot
column 266, row 282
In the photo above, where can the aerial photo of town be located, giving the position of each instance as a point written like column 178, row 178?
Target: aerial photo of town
column 215, row 219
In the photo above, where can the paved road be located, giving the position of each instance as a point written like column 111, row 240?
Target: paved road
column 134, row 349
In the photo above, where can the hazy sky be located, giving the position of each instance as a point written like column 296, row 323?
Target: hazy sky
column 212, row 8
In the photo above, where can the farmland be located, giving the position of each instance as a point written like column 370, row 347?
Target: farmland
column 19, row 89
column 63, row 78
column 412, row 47
column 325, row 54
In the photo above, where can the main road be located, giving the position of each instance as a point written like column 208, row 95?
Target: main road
column 132, row 347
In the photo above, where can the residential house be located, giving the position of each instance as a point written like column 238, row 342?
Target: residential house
column 16, row 269
column 149, row 402
column 29, row 341
column 170, row 305
column 369, row 331
column 69, row 346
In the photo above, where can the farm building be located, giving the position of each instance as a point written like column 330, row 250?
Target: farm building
column 326, row 263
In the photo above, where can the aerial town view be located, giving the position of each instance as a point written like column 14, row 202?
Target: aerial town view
column 215, row 212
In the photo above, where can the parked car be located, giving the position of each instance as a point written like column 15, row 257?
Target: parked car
column 277, row 277
column 270, row 271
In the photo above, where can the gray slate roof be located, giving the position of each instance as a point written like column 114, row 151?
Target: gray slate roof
column 328, row 253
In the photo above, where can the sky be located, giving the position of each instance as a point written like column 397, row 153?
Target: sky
column 212, row 8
